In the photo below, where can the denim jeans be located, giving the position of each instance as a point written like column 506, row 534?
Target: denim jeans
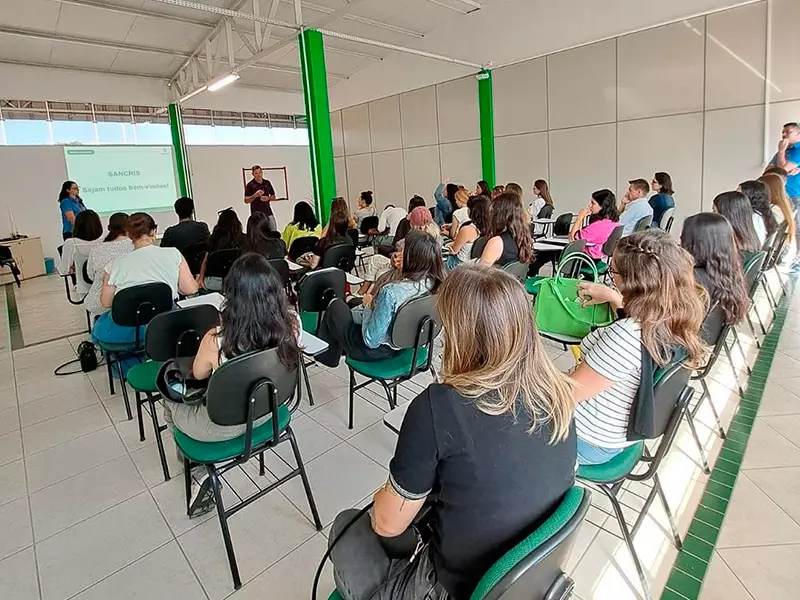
column 589, row 454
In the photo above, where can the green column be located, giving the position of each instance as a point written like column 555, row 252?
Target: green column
column 486, row 109
column 179, row 150
column 318, row 119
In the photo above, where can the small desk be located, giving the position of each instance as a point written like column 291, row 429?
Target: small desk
column 353, row 279
column 293, row 267
column 394, row 418
column 567, row 340
column 543, row 247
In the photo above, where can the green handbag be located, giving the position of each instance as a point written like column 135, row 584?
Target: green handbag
column 559, row 309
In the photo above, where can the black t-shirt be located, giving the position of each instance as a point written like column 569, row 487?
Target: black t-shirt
column 494, row 482
column 259, row 205
column 185, row 234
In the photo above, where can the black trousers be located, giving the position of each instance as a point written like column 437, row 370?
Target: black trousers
column 542, row 258
column 345, row 336
column 66, row 235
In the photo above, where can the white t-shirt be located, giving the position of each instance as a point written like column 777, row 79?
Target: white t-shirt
column 778, row 213
column 150, row 264
column 761, row 229
column 391, row 218
column 535, row 206
column 615, row 352
column 461, row 215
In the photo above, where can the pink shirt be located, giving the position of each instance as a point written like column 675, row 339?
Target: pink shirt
column 597, row 233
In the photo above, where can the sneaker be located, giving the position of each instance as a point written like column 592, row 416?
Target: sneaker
column 202, row 500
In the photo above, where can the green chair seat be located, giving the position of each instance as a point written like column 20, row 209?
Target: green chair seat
column 142, row 377
column 309, row 321
column 389, row 368
column 335, row 595
column 532, row 284
column 615, row 469
column 116, row 347
column 602, row 269
column 214, row 452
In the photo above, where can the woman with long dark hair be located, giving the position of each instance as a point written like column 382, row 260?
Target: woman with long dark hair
column 663, row 199
column 262, row 239
column 86, row 233
column 227, row 235
column 509, row 233
column 735, row 207
column 480, row 212
column 115, row 244
column 445, row 195
column 71, row 206
column 482, row 189
column 542, row 198
column 764, row 221
column 304, row 224
column 364, row 333
column 336, row 235
column 708, row 237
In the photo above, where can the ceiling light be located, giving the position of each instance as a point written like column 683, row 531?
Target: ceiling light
column 221, row 82
column 192, row 94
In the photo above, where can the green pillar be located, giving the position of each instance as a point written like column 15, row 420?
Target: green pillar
column 179, row 150
column 486, row 109
column 318, row 119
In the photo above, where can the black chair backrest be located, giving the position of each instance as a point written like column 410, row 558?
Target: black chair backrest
column 415, row 320
column 613, row 240
column 780, row 239
column 194, row 254
column 643, row 223
column 752, row 271
column 282, row 267
column 5, row 253
column 563, row 224
column 546, row 212
column 341, row 256
column 85, row 273
column 138, row 305
column 221, row 261
column 312, row 288
column 302, row 245
column 353, row 235
column 179, row 332
column 574, row 247
column 517, row 269
column 714, row 332
column 478, row 246
column 249, row 383
column 368, row 223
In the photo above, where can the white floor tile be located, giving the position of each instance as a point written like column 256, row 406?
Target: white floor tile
column 10, row 447
column 326, row 386
column 148, row 461
column 782, row 486
column 18, row 577
column 334, row 416
column 312, row 440
column 766, row 448
column 15, row 523
column 59, row 430
column 56, row 405
column 778, row 400
column 787, row 425
column 376, row 441
column 12, row 482
column 721, row 584
column 8, row 396
column 768, row 573
column 9, row 420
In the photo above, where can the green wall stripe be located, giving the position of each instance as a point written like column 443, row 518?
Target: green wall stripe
column 179, row 150
column 318, row 119
column 691, row 566
column 486, row 110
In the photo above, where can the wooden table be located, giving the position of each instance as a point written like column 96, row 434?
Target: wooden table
column 28, row 255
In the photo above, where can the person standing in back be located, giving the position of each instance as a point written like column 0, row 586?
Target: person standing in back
column 635, row 206
column 258, row 193
column 663, row 199
column 188, row 231
column 70, row 204
column 788, row 158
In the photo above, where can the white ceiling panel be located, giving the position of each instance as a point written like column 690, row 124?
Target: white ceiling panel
column 188, row 13
column 83, row 21
column 41, row 15
column 380, row 10
column 421, row 15
column 19, row 49
column 66, row 54
column 161, row 33
column 274, row 79
column 162, row 65
column 126, row 3
column 370, row 32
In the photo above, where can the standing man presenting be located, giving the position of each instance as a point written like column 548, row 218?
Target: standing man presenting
column 788, row 159
column 258, row 193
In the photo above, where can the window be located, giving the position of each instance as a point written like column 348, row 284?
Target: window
column 152, row 133
column 22, row 132
column 74, row 132
column 286, row 136
column 199, row 135
column 112, row 133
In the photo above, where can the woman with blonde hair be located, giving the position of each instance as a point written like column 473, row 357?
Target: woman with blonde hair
column 779, row 201
column 493, row 439
column 460, row 214
column 662, row 308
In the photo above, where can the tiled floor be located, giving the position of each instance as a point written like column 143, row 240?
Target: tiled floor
column 85, row 513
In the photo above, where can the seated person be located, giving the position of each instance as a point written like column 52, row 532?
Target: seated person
column 460, row 214
column 497, row 190
column 635, row 205
column 387, row 225
column 603, row 220
column 491, row 451
column 339, row 205
column 304, row 224
column 336, row 235
column 115, row 244
column 509, row 233
column 735, row 207
column 256, row 316
column 460, row 249
column 764, row 220
column 365, row 208
column 147, row 263
column 708, row 237
column 262, row 239
column 86, row 233
column 542, row 205
column 402, row 228
column 188, row 231
column 664, row 310
column 663, row 199
column 227, row 235
column 364, row 333
column 445, row 195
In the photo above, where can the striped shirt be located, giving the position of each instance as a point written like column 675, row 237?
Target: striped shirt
column 615, row 352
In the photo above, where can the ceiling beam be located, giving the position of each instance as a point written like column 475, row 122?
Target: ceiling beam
column 25, row 63
column 363, row 20
column 135, row 12
column 471, row 3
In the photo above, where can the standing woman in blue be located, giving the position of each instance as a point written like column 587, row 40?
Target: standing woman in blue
column 70, row 204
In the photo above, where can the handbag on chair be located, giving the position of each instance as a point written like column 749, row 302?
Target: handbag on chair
column 560, row 311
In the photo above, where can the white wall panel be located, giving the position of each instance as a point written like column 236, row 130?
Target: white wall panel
column 389, row 180
column 337, row 133
column 736, row 56
column 461, row 162
column 522, row 159
column 661, row 70
column 779, row 114
column 418, row 115
column 672, row 144
column 731, row 154
column 340, row 169
column 582, row 160
column 520, row 98
column 384, row 124
column 785, row 50
column 359, row 175
column 457, row 107
column 355, row 123
column 582, row 85
column 422, row 173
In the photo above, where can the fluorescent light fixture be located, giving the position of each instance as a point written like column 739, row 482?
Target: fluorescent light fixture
column 192, row 94
column 221, row 82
